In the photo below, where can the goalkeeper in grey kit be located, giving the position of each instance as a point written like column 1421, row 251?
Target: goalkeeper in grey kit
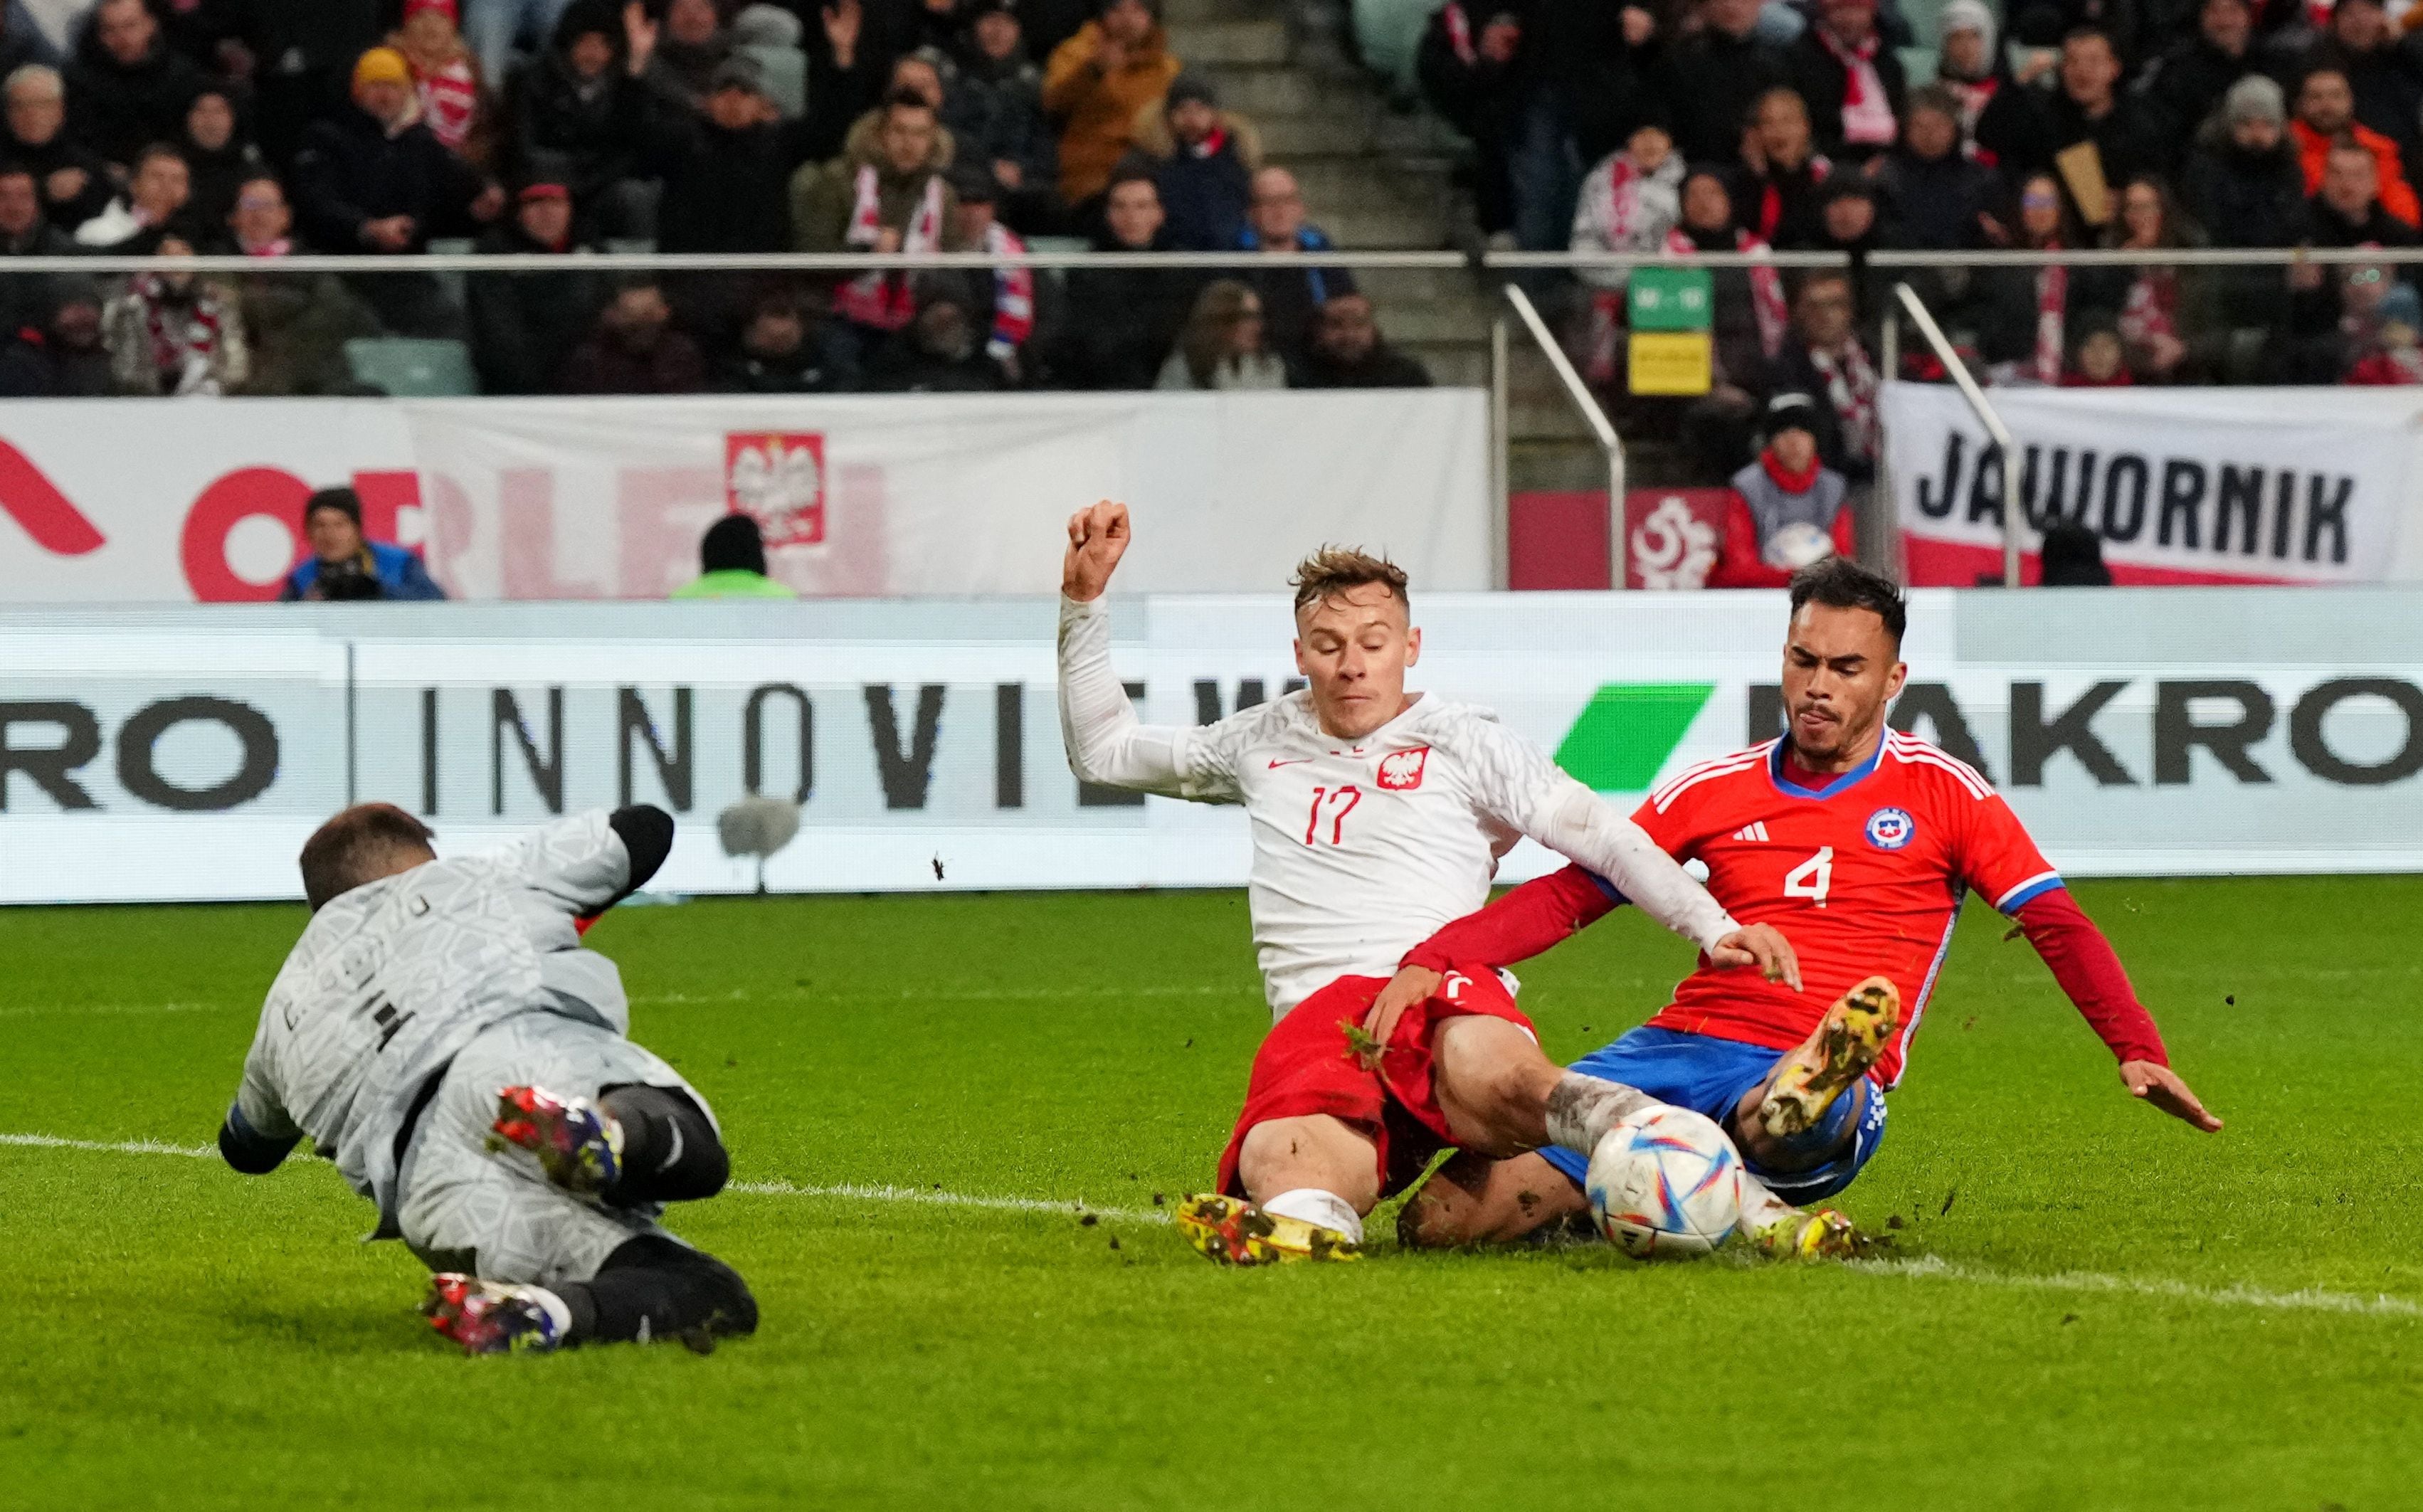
column 442, row 1034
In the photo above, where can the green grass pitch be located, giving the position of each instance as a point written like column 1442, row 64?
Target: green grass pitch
column 2094, row 1307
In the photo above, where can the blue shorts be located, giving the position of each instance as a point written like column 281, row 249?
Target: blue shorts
column 1708, row 1076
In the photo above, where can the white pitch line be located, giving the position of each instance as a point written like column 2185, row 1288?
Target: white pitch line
column 2311, row 1300
column 31, row 1010
column 937, row 1198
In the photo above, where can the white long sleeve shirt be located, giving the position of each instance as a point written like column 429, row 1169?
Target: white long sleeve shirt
column 1362, row 848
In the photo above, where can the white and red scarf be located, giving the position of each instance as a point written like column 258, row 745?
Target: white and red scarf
column 1459, row 34
column 1868, row 114
column 2052, row 302
column 882, row 300
column 2153, row 308
column 449, row 97
column 185, row 336
column 1973, row 99
column 1013, row 296
column 1851, row 389
column 1766, row 288
column 1623, row 182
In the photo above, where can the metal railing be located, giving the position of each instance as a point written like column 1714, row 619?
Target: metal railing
column 1987, row 416
column 1608, row 440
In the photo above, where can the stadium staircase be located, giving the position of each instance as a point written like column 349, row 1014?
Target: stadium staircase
column 1379, row 173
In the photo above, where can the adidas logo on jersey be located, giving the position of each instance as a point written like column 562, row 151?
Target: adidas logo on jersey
column 1753, row 831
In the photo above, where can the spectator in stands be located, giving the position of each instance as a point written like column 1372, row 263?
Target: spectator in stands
column 493, row 27
column 174, row 334
column 25, row 232
column 1001, row 299
column 1788, row 509
column 76, row 182
column 2390, row 354
column 942, row 351
column 1826, row 358
column 1121, row 321
column 1751, row 317
column 1628, row 203
column 732, row 565
column 65, row 358
column 1290, row 296
column 1097, row 84
column 886, row 194
column 1940, row 195
column 1852, row 82
column 847, row 68
column 524, row 326
column 1207, row 158
column 2072, row 556
column 2244, row 184
column 785, row 349
column 373, row 178
column 295, row 325
column 728, row 169
column 2164, row 315
column 635, row 349
column 1467, row 66
column 1349, row 351
column 2385, row 71
column 344, row 565
column 126, row 87
column 153, row 205
column 2089, row 110
column 2325, row 116
column 305, row 50
column 993, row 105
column 691, row 45
column 1715, row 77
column 1782, row 171
column 2186, row 82
column 568, row 120
column 208, row 33
column 2098, row 357
column 1223, row 346
column 444, row 77
column 1851, row 221
column 1998, row 117
column 2022, row 312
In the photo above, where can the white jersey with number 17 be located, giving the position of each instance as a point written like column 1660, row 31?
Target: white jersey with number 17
column 1361, row 848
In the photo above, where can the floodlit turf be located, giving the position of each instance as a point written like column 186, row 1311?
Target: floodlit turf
column 2096, row 1307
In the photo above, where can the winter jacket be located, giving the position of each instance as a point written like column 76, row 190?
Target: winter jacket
column 1937, row 202
column 216, row 177
column 724, row 191
column 23, row 300
column 2396, row 195
column 1261, row 370
column 2387, row 83
column 1205, row 192
column 2244, row 198
column 48, row 158
column 569, row 129
column 1121, row 321
column 1658, row 206
column 823, row 196
column 1761, row 507
column 2185, row 84
column 1712, row 80
column 295, row 327
column 995, row 113
column 118, row 111
column 1291, row 295
column 2127, row 138
column 400, row 571
column 175, row 344
column 524, row 326
column 1097, row 112
column 1382, row 367
column 1480, row 98
column 351, row 171
column 603, row 365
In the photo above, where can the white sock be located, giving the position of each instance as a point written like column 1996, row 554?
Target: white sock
column 1760, row 1206
column 1583, row 1109
column 1314, row 1205
column 558, row 1310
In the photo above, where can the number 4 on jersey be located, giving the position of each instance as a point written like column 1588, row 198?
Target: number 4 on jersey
column 1812, row 878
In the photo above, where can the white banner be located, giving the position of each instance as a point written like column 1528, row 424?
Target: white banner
column 2185, row 485
column 186, row 754
column 179, row 500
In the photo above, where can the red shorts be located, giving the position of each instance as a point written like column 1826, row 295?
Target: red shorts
column 1308, row 1066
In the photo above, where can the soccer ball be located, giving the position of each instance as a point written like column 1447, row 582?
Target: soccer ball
column 1796, row 545
column 1665, row 1184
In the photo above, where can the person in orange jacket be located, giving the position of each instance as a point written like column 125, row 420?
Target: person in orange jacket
column 1096, row 83
column 1788, row 509
column 2326, row 114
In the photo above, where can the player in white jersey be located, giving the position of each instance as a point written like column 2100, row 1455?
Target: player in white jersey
column 441, row 1033
column 1376, row 815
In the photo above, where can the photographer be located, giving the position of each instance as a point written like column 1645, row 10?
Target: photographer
column 342, row 565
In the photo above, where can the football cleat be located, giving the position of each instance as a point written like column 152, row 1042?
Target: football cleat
column 1822, row 1235
column 578, row 1144
column 492, row 1317
column 1850, row 1040
column 1230, row 1231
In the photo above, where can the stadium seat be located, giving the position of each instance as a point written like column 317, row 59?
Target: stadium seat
column 412, row 367
column 451, row 247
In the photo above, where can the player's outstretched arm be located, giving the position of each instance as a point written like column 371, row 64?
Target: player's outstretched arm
column 2089, row 971
column 257, row 1134
column 586, row 863
column 1107, row 743
column 1535, row 915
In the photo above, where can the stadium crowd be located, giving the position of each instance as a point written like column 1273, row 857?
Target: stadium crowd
column 1729, row 125
column 267, row 128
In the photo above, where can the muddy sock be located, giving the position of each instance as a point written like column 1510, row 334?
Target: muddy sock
column 1583, row 1109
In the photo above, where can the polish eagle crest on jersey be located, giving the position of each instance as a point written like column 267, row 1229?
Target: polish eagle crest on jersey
column 1402, row 771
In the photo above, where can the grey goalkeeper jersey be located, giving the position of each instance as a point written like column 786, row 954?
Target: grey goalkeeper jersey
column 392, row 979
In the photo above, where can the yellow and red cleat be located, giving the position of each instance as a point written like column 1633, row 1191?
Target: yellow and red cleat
column 1821, row 1235
column 1847, row 1043
column 1231, row 1230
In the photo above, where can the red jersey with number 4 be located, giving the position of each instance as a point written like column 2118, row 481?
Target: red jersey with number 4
column 1864, row 875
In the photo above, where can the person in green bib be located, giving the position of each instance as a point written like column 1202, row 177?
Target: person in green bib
column 732, row 563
